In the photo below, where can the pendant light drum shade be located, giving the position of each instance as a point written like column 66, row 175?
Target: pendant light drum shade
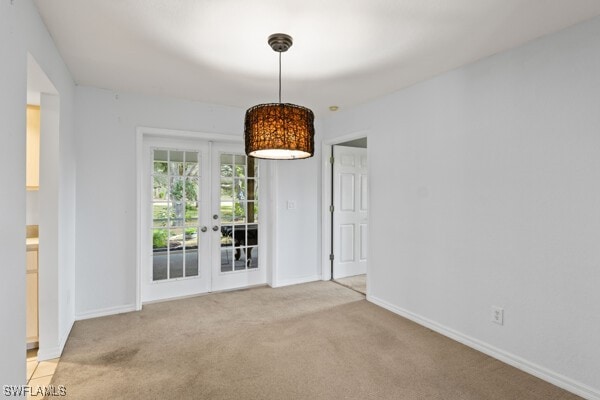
column 280, row 131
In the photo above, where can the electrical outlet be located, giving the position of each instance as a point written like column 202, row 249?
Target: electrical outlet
column 291, row 204
column 498, row 315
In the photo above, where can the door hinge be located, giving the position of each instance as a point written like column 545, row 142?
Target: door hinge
column 331, row 208
column 331, row 257
column 331, row 160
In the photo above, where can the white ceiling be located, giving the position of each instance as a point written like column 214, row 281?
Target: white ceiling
column 345, row 52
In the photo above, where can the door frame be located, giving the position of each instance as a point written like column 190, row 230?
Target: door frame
column 266, row 178
column 326, row 193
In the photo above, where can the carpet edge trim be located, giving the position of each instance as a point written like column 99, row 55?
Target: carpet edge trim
column 538, row 371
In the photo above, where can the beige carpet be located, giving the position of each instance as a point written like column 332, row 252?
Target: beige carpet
column 357, row 282
column 313, row 341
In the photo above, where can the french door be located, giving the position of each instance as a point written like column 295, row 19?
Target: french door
column 200, row 210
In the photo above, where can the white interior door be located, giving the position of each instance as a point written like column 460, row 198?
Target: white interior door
column 350, row 215
column 199, row 219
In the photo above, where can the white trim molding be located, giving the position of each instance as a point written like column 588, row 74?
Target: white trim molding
column 49, row 354
column 545, row 374
column 175, row 133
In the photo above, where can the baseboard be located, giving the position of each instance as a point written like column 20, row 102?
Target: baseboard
column 296, row 281
column 49, row 354
column 545, row 374
column 56, row 351
column 65, row 336
column 189, row 296
column 52, row 352
column 105, row 312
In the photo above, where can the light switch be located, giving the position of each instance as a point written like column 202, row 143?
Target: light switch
column 291, row 204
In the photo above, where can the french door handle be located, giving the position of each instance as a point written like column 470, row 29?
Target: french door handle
column 215, row 228
column 203, row 229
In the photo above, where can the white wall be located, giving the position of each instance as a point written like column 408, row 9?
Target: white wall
column 57, row 187
column 106, row 191
column 485, row 190
column 22, row 31
column 32, row 207
column 13, row 76
column 298, row 241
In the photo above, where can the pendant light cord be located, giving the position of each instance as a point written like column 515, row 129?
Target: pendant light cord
column 279, row 77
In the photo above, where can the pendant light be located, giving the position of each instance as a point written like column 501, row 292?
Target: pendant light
column 279, row 131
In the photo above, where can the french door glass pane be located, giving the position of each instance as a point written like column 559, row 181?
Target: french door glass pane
column 175, row 205
column 176, row 253
column 226, row 187
column 191, row 263
column 226, row 211
column 240, row 170
column 160, row 217
column 240, row 160
column 191, row 190
column 226, row 166
column 160, row 187
column 252, row 262
column 160, row 253
column 252, row 191
column 226, row 259
column 239, row 188
column 252, row 235
column 161, row 159
column 239, row 212
column 191, row 252
column 252, row 212
column 239, row 235
column 191, row 204
column 239, row 240
column 176, row 167
column 191, row 214
column 191, row 163
column 253, row 168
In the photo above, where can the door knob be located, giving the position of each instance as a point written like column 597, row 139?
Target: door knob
column 215, row 228
column 204, row 229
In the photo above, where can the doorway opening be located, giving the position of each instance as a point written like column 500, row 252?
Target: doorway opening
column 346, row 198
column 42, row 239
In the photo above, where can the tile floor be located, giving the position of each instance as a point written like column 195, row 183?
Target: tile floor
column 39, row 373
